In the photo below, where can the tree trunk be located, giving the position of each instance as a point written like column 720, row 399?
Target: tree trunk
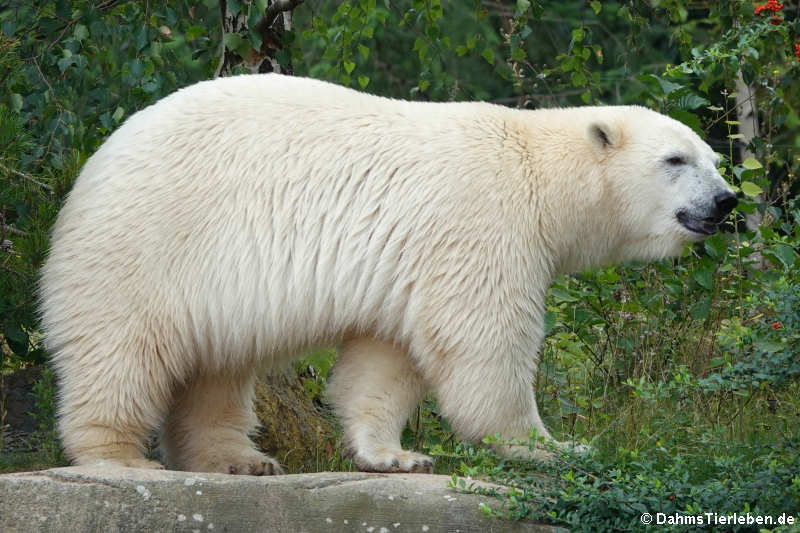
column 747, row 116
column 277, row 19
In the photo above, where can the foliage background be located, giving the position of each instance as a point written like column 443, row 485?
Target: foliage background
column 682, row 374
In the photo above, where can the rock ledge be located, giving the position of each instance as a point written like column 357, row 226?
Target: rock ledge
column 108, row 498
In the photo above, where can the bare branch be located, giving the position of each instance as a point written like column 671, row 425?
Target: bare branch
column 26, row 177
column 11, row 270
column 5, row 228
column 102, row 6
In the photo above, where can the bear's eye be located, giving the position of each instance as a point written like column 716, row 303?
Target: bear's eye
column 675, row 161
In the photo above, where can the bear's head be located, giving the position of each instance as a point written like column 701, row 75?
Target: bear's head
column 661, row 182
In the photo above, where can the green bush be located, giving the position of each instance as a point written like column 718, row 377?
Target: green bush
column 612, row 493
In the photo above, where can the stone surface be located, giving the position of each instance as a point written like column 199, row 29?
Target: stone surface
column 109, row 498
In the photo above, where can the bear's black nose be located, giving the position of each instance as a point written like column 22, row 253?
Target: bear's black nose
column 724, row 203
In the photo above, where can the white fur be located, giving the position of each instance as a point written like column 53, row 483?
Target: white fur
column 240, row 221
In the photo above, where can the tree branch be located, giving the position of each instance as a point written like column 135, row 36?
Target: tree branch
column 26, row 177
column 5, row 228
column 102, row 6
column 275, row 8
column 223, row 11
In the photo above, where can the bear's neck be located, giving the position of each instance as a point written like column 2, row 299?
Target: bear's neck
column 574, row 226
column 570, row 201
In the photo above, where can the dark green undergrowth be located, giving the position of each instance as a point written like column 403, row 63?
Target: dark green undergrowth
column 611, row 492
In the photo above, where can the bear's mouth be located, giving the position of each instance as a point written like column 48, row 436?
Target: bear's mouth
column 703, row 226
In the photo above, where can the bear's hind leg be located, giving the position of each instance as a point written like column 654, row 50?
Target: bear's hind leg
column 208, row 426
column 109, row 405
column 374, row 388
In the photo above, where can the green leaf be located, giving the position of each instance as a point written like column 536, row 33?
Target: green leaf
column 690, row 101
column 563, row 296
column 703, row 278
column 568, row 64
column 65, row 62
column 751, row 164
column 233, row 41
column 363, row 51
column 142, row 38
column 751, row 189
column 690, row 119
column 578, row 34
column 578, row 79
column 16, row 101
column 105, row 120
column 9, row 27
column 717, row 246
column 488, row 55
column 598, row 53
column 363, row 81
column 700, row 309
column 421, row 46
column 549, row 321
column 193, row 32
column 136, row 68
column 769, row 347
column 781, row 253
column 349, row 66
column 81, row 32
column 118, row 114
column 596, row 6
column 659, row 85
column 518, row 54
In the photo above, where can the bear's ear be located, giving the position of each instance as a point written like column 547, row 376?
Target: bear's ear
column 603, row 135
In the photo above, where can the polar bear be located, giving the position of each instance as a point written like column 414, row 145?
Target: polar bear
column 240, row 221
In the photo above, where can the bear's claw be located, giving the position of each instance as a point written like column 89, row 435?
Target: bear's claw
column 389, row 460
column 266, row 467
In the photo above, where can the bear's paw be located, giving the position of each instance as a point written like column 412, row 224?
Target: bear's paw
column 255, row 464
column 383, row 459
column 241, row 461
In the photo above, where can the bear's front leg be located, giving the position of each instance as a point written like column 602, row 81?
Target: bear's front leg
column 374, row 388
column 482, row 395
